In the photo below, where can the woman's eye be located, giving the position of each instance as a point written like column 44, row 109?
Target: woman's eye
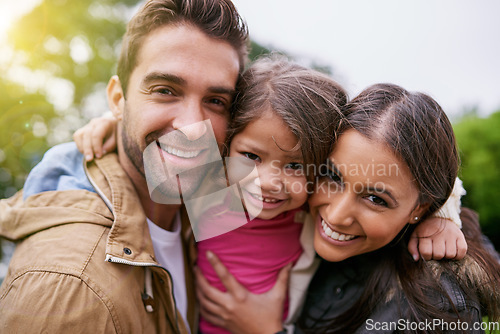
column 250, row 156
column 326, row 173
column 334, row 177
column 377, row 200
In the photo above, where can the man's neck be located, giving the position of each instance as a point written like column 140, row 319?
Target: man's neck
column 162, row 215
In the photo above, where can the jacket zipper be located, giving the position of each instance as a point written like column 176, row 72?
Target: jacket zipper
column 114, row 259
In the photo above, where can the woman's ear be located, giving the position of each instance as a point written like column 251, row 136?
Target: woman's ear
column 418, row 212
column 116, row 98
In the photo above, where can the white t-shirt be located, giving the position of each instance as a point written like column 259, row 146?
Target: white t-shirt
column 168, row 251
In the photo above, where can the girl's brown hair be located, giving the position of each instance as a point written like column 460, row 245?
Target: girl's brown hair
column 308, row 101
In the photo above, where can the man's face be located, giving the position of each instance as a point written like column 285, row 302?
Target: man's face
column 182, row 78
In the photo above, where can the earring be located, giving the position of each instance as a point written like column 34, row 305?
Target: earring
column 415, row 219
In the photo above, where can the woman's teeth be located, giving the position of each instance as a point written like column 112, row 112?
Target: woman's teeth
column 335, row 235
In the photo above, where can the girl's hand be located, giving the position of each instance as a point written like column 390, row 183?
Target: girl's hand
column 437, row 238
column 239, row 310
column 97, row 137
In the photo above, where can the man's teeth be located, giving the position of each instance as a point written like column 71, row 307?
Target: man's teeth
column 335, row 235
column 180, row 153
column 267, row 200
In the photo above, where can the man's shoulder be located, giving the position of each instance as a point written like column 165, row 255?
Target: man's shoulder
column 61, row 274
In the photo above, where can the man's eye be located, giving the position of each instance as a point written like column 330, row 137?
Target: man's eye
column 217, row 101
column 162, row 91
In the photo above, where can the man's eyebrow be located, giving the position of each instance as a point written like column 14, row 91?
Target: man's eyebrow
column 222, row 90
column 166, row 77
column 157, row 76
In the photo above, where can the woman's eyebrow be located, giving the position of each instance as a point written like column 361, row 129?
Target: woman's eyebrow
column 331, row 165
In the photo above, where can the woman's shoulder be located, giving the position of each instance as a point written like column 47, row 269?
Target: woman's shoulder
column 464, row 282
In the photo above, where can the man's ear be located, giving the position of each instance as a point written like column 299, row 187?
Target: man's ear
column 418, row 212
column 116, row 98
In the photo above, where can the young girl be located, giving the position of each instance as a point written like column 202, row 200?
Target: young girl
column 283, row 122
column 367, row 281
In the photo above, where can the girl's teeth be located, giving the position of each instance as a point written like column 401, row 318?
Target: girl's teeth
column 334, row 234
column 267, row 200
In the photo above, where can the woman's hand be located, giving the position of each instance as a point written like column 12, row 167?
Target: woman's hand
column 437, row 238
column 239, row 310
column 97, row 137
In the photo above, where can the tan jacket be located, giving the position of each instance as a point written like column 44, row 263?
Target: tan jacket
column 81, row 267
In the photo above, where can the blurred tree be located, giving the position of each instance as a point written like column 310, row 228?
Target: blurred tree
column 479, row 146
column 62, row 54
column 23, row 120
column 52, row 78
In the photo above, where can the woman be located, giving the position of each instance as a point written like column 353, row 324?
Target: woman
column 394, row 163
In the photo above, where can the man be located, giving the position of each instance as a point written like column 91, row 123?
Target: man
column 97, row 254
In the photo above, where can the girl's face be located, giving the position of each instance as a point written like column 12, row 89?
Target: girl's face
column 277, row 183
column 365, row 199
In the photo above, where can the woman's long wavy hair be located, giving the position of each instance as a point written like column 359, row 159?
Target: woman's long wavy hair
column 417, row 130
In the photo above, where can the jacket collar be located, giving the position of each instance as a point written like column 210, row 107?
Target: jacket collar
column 129, row 240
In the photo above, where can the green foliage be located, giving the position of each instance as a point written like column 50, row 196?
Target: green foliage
column 479, row 146
column 73, row 42
column 23, row 123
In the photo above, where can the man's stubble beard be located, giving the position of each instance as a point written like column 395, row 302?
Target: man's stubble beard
column 170, row 187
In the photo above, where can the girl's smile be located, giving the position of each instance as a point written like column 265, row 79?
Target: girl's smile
column 277, row 183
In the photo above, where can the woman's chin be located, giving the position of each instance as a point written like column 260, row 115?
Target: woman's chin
column 328, row 251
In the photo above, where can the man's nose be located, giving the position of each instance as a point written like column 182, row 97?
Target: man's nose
column 191, row 122
column 194, row 131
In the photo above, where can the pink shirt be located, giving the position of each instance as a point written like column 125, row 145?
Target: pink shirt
column 254, row 253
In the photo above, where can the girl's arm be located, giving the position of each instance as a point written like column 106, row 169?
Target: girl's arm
column 237, row 309
column 97, row 137
column 439, row 236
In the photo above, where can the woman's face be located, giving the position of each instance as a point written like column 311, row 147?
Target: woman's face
column 365, row 198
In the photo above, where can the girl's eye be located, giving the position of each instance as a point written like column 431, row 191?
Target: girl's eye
column 377, row 200
column 251, row 156
column 295, row 166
